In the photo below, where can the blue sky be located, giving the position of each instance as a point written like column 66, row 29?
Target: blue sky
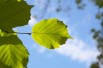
column 79, row 52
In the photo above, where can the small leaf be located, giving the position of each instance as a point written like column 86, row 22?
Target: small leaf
column 50, row 33
column 99, row 3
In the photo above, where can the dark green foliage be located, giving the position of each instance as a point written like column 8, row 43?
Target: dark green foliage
column 95, row 65
column 99, row 3
column 13, row 14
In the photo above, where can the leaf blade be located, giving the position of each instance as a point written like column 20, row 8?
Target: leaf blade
column 50, row 33
column 13, row 14
column 12, row 51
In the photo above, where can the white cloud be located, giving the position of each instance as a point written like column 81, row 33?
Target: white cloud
column 75, row 49
column 50, row 55
column 32, row 21
column 39, row 49
column 78, row 50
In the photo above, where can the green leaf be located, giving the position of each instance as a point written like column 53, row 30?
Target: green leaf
column 5, row 33
column 12, row 52
column 50, row 33
column 13, row 13
column 99, row 3
column 4, row 66
column 17, row 66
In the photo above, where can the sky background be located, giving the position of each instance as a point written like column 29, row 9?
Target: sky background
column 79, row 52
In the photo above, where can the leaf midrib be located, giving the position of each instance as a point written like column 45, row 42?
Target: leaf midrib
column 46, row 33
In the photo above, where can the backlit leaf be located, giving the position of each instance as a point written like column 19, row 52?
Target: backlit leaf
column 50, row 33
column 12, row 52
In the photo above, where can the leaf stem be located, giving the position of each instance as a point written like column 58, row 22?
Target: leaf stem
column 16, row 32
column 23, row 33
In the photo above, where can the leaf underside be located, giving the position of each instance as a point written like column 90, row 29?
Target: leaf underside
column 50, row 33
